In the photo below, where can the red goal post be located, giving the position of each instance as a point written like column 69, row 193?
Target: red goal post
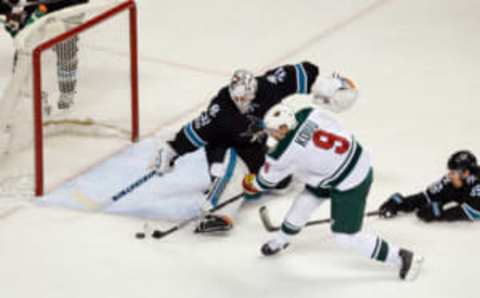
column 128, row 5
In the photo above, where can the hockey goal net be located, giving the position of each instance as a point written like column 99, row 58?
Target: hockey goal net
column 74, row 78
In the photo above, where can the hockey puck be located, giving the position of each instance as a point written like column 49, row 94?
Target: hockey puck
column 140, row 235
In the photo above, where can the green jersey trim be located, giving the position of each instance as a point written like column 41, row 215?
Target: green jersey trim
column 345, row 168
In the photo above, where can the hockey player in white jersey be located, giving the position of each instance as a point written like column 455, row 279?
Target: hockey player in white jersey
column 317, row 150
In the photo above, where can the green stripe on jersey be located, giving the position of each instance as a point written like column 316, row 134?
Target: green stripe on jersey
column 348, row 168
column 345, row 168
column 282, row 146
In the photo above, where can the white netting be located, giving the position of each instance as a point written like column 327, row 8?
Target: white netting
column 96, row 64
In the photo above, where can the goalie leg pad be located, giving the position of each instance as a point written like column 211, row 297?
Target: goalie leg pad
column 223, row 173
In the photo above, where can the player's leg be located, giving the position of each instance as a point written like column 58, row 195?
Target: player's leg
column 397, row 202
column 227, row 176
column 299, row 213
column 67, row 64
column 460, row 213
column 347, row 211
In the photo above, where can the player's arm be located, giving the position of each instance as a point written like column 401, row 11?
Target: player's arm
column 292, row 78
column 199, row 132
column 271, row 175
column 203, row 130
column 434, row 197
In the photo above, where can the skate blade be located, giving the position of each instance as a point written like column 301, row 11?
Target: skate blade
column 415, row 268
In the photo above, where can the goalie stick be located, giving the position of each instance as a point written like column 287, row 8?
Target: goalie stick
column 93, row 205
column 270, row 227
column 158, row 234
column 134, row 185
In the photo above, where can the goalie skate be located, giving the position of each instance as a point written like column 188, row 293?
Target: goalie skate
column 214, row 223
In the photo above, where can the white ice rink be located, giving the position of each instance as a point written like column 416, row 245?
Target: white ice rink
column 417, row 65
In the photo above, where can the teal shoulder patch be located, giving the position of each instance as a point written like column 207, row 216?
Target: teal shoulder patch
column 282, row 146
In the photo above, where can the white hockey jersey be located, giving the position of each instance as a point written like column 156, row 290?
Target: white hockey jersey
column 319, row 152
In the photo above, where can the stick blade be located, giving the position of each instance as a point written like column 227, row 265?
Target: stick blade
column 157, row 234
column 267, row 223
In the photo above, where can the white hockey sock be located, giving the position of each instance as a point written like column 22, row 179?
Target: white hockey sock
column 370, row 246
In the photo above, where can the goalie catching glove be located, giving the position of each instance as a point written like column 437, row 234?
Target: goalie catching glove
column 335, row 93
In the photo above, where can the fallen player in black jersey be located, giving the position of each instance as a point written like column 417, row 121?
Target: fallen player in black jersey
column 456, row 197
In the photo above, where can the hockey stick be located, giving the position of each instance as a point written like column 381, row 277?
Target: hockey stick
column 93, row 205
column 133, row 186
column 270, row 227
column 157, row 234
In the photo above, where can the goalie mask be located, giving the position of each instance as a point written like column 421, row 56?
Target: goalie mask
column 242, row 88
column 278, row 121
column 335, row 93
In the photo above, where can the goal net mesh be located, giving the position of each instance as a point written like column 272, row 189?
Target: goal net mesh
column 86, row 94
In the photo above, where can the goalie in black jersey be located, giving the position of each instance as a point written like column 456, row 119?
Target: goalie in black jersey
column 232, row 126
column 21, row 13
column 456, row 197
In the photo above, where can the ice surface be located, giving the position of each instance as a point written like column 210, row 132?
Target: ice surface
column 416, row 63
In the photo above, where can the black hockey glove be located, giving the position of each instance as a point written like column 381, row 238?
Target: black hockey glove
column 391, row 206
column 430, row 212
